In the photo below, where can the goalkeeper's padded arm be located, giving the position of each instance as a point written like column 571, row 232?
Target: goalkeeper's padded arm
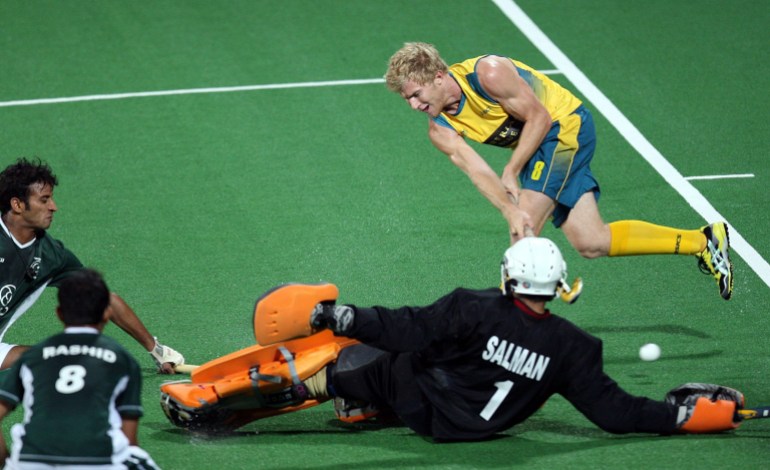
column 705, row 408
column 707, row 416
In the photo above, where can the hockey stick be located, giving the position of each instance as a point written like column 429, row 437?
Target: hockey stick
column 570, row 294
column 185, row 368
column 754, row 413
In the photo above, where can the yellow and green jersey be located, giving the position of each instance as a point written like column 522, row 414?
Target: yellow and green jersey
column 482, row 119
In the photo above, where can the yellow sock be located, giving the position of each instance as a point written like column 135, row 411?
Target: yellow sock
column 635, row 237
column 316, row 385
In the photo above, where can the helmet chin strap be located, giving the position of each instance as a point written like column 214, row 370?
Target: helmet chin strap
column 569, row 294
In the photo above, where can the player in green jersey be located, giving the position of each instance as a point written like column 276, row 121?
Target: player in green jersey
column 31, row 260
column 500, row 101
column 80, row 391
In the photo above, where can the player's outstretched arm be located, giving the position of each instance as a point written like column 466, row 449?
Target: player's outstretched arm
column 481, row 175
column 125, row 317
column 499, row 78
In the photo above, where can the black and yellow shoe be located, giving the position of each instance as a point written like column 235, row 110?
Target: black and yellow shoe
column 715, row 259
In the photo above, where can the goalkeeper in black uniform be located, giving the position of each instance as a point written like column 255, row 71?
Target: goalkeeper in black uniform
column 475, row 362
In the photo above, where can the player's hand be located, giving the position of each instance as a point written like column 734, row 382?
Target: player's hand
column 519, row 224
column 166, row 358
column 705, row 408
column 510, row 181
column 139, row 458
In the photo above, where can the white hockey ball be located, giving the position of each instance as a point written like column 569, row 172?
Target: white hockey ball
column 649, row 352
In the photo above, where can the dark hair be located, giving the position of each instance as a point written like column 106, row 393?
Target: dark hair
column 16, row 180
column 83, row 298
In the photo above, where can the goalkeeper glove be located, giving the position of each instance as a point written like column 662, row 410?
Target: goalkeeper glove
column 705, row 408
column 162, row 354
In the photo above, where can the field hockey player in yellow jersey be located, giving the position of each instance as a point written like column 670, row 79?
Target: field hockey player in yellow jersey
column 500, row 101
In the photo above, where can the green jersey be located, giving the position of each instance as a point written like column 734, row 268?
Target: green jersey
column 26, row 270
column 74, row 387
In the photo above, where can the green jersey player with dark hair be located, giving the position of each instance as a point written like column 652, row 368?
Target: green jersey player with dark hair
column 31, row 260
column 80, row 390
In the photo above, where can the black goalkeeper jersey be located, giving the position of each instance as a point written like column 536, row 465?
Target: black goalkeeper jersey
column 486, row 363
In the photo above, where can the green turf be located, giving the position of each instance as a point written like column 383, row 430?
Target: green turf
column 194, row 205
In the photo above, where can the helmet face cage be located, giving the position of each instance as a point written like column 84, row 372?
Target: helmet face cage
column 532, row 266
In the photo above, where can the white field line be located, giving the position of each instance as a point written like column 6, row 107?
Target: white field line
column 193, row 91
column 189, row 91
column 632, row 134
column 718, row 177
column 564, row 66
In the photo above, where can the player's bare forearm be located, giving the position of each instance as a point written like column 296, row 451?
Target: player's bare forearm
column 123, row 316
column 126, row 319
column 490, row 185
column 472, row 164
column 480, row 173
column 532, row 134
column 129, row 427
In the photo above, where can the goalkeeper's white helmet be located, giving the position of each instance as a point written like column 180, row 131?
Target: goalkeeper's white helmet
column 533, row 266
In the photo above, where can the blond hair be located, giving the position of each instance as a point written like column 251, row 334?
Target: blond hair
column 415, row 62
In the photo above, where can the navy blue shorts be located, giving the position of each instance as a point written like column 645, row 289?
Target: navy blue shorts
column 560, row 168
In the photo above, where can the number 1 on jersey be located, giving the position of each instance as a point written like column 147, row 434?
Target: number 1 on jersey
column 503, row 389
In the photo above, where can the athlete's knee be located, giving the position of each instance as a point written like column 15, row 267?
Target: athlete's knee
column 348, row 370
column 348, row 383
column 353, row 359
column 590, row 252
column 591, row 244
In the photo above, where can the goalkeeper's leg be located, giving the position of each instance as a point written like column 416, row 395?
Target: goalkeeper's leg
column 369, row 379
column 280, row 382
column 283, row 313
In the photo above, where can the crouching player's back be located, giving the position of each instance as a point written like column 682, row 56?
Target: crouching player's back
column 80, row 390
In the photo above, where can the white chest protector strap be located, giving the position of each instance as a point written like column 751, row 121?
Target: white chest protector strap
column 291, row 396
